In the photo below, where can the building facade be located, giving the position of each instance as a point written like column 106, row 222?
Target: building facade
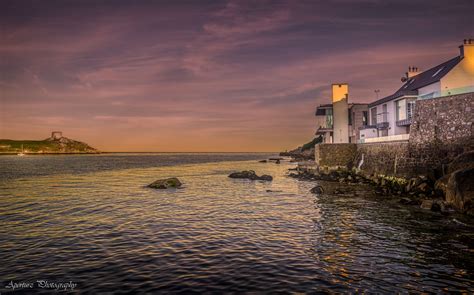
column 391, row 116
column 341, row 121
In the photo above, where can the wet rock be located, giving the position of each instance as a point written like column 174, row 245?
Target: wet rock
column 442, row 206
column 409, row 201
column 250, row 174
column 275, row 159
column 172, row 182
column 426, row 204
column 423, row 187
column 277, row 162
column 317, row 190
column 459, row 190
column 405, row 201
column 266, row 177
column 262, row 161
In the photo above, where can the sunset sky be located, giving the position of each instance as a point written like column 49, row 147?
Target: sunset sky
column 207, row 75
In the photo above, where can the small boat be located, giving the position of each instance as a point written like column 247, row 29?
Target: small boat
column 22, row 153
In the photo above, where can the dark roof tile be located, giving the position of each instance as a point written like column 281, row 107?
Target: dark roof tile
column 423, row 79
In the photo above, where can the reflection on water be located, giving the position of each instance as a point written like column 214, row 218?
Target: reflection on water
column 106, row 231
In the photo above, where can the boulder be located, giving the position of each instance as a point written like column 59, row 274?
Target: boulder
column 426, row 204
column 166, row 183
column 266, row 177
column 250, row 174
column 262, row 161
column 441, row 206
column 463, row 161
column 408, row 201
column 317, row 190
column 459, row 190
column 277, row 162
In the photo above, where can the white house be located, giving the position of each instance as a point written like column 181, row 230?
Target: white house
column 339, row 121
column 391, row 116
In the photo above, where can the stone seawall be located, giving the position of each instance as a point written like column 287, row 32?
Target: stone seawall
column 330, row 156
column 442, row 129
column 391, row 158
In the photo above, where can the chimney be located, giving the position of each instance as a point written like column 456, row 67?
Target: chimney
column 412, row 71
column 467, row 49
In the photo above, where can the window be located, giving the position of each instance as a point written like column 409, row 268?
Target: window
column 350, row 117
column 384, row 113
column 401, row 109
column 329, row 118
column 373, row 116
column 365, row 118
column 409, row 82
column 437, row 72
column 410, row 109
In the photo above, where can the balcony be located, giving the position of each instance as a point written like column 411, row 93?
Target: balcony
column 324, row 129
column 367, row 127
column 406, row 122
column 382, row 125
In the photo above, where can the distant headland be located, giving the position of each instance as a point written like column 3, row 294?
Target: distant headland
column 56, row 144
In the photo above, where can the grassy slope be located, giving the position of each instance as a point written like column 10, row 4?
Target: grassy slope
column 44, row 146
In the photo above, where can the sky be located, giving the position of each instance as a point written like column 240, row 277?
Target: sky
column 207, row 75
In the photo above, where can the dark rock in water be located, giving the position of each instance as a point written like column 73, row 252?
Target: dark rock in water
column 277, row 162
column 266, row 177
column 275, row 159
column 166, row 183
column 250, row 174
column 262, row 161
column 408, row 201
column 426, row 204
column 405, row 201
column 318, row 190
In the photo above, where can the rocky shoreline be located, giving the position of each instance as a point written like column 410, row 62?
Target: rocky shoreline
column 452, row 193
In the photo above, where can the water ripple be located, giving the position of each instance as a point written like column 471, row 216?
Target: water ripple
column 108, row 232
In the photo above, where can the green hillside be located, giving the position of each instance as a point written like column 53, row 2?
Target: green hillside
column 61, row 145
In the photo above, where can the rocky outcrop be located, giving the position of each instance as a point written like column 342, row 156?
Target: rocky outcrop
column 458, row 185
column 172, row 182
column 458, row 189
column 62, row 145
column 304, row 152
column 251, row 175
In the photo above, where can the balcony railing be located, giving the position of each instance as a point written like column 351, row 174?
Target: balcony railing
column 382, row 125
column 406, row 122
column 324, row 129
column 368, row 127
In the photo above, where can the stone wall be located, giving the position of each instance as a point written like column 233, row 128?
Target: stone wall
column 335, row 155
column 442, row 129
column 390, row 158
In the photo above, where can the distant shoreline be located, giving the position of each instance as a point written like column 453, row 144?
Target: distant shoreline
column 79, row 153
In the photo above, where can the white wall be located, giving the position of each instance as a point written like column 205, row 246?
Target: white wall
column 460, row 79
column 368, row 133
column 435, row 87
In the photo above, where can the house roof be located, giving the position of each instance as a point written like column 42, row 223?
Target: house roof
column 394, row 96
column 423, row 79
